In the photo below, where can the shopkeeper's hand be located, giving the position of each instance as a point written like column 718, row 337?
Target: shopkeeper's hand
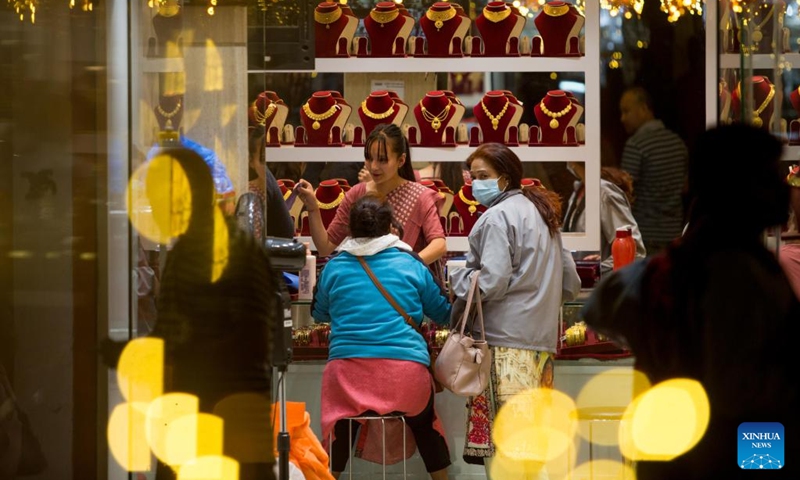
column 306, row 194
column 364, row 175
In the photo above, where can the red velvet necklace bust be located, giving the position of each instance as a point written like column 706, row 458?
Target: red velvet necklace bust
column 498, row 24
column 559, row 25
column 168, row 25
column 495, row 114
column 554, row 113
column 333, row 30
column 318, row 115
column 434, row 113
column 468, row 208
column 763, row 105
column 379, row 107
column 169, row 112
column 329, row 195
column 441, row 25
column 387, row 29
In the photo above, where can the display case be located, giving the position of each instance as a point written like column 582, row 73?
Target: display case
column 754, row 77
column 394, row 81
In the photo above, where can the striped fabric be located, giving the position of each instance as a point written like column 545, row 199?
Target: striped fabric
column 657, row 159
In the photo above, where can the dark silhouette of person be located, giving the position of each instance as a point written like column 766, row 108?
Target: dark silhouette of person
column 214, row 314
column 716, row 307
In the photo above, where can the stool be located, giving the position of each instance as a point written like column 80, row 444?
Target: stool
column 599, row 414
column 369, row 416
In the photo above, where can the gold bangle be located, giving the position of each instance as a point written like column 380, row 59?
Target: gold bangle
column 326, row 18
column 556, row 11
column 439, row 17
column 496, row 17
column 384, row 17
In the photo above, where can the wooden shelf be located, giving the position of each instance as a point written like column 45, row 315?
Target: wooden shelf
column 450, row 64
column 421, row 154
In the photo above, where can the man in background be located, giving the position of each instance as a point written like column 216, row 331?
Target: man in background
column 656, row 158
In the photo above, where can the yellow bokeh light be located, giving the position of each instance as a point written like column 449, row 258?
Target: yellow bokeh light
column 140, row 370
column 228, row 113
column 606, row 469
column 126, row 437
column 210, row 468
column 159, row 200
column 535, row 425
column 249, row 425
column 603, row 400
column 665, row 421
column 221, row 245
column 162, row 412
column 213, row 74
column 193, row 436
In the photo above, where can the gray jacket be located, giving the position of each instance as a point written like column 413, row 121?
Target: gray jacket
column 525, row 275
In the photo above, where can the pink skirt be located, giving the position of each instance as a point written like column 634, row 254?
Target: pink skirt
column 353, row 386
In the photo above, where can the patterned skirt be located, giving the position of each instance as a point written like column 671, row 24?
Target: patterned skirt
column 513, row 371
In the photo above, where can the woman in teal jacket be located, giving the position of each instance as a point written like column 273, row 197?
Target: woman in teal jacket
column 377, row 362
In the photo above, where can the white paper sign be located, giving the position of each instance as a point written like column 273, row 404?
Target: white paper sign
column 396, row 86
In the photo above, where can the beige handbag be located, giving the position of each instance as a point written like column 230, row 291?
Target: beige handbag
column 464, row 364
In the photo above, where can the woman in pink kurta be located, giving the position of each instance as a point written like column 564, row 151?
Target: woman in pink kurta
column 388, row 159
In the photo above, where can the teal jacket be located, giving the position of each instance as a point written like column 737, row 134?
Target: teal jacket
column 363, row 323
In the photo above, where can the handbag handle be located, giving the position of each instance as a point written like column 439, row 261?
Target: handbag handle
column 388, row 297
column 474, row 292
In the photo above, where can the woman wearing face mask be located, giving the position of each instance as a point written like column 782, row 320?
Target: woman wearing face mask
column 388, row 159
column 524, row 276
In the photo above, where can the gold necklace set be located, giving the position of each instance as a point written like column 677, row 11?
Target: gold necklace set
column 261, row 118
column 757, row 35
column 168, row 115
column 327, row 18
column 318, row 117
column 473, row 204
column 377, row 116
column 757, row 121
column 556, row 11
column 435, row 120
column 439, row 17
column 332, row 204
column 384, row 17
column 554, row 116
column 496, row 17
column 495, row 119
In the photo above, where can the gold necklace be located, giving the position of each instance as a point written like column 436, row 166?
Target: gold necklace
column 757, row 35
column 435, row 120
column 555, row 11
column 473, row 204
column 168, row 8
column 439, row 17
column 384, row 17
column 376, row 116
column 168, row 115
column 554, row 116
column 757, row 121
column 495, row 119
column 326, row 18
column 335, row 203
column 261, row 118
column 319, row 116
column 495, row 17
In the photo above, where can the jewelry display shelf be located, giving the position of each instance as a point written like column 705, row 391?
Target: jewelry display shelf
column 289, row 153
column 162, row 65
column 454, row 244
column 448, row 64
column 765, row 61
